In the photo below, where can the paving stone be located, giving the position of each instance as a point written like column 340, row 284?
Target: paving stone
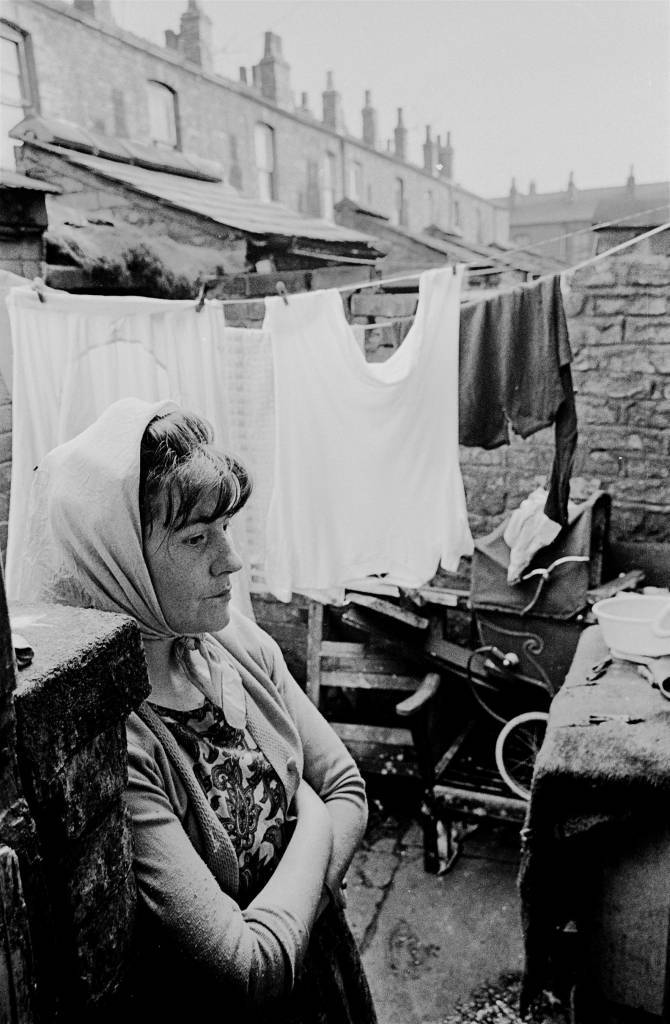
column 439, row 938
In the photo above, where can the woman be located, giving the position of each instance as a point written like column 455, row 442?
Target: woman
column 245, row 807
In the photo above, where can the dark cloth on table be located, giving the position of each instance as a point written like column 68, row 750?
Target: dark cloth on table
column 589, row 779
column 515, row 371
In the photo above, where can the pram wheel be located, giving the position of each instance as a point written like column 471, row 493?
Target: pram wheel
column 517, row 747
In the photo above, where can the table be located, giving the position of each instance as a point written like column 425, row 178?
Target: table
column 597, row 840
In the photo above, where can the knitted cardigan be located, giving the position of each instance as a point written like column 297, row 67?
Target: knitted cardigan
column 185, row 864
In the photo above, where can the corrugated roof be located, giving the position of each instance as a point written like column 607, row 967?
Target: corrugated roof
column 218, row 202
column 11, row 179
column 58, row 132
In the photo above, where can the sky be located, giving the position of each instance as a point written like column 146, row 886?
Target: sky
column 530, row 89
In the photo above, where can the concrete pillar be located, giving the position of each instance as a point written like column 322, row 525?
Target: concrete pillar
column 332, row 105
column 369, row 117
column 400, row 137
column 274, row 73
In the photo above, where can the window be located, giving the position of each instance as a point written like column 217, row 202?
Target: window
column 355, row 186
column 264, row 138
column 163, row 122
column 398, row 211
column 15, row 93
column 328, row 190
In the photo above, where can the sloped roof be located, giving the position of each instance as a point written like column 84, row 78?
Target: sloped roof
column 11, row 179
column 635, row 211
column 213, row 199
column 558, row 207
column 57, row 131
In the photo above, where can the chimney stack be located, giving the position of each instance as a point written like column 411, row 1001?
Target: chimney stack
column 273, row 73
column 532, row 189
column 571, row 187
column 332, row 105
column 513, row 193
column 195, row 36
column 101, row 10
column 630, row 181
column 243, row 76
column 445, row 158
column 429, row 153
column 369, row 116
column 400, row 137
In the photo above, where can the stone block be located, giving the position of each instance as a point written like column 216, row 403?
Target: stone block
column 638, row 332
column 97, row 864
column 67, row 800
column 597, row 275
column 386, row 305
column 633, row 386
column 574, row 302
column 103, row 943
column 590, row 332
column 88, row 672
column 651, row 271
column 596, row 411
column 628, row 305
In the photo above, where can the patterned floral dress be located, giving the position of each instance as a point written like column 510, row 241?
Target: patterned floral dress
column 241, row 785
column 246, row 794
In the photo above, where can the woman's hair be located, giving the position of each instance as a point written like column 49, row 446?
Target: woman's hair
column 179, row 466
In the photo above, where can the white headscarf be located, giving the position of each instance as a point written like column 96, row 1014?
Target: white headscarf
column 84, row 540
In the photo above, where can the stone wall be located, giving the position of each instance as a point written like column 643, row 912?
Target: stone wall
column 71, row 704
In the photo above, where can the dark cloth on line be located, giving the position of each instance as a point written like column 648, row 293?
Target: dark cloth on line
column 514, row 372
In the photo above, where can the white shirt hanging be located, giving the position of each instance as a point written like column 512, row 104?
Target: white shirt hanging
column 367, row 478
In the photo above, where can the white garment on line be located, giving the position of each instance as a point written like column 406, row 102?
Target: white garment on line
column 74, row 355
column 367, row 477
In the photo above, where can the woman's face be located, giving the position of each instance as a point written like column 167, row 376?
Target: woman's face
column 190, row 569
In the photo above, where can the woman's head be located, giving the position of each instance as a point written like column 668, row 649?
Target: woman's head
column 188, row 492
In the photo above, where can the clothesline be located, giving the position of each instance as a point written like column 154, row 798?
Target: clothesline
column 578, row 231
column 416, row 274
column 412, row 275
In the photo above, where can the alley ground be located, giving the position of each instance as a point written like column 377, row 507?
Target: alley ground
column 429, row 942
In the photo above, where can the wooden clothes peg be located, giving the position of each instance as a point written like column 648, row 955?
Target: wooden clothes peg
column 281, row 291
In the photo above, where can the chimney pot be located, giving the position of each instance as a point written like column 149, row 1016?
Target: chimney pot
column 369, row 120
